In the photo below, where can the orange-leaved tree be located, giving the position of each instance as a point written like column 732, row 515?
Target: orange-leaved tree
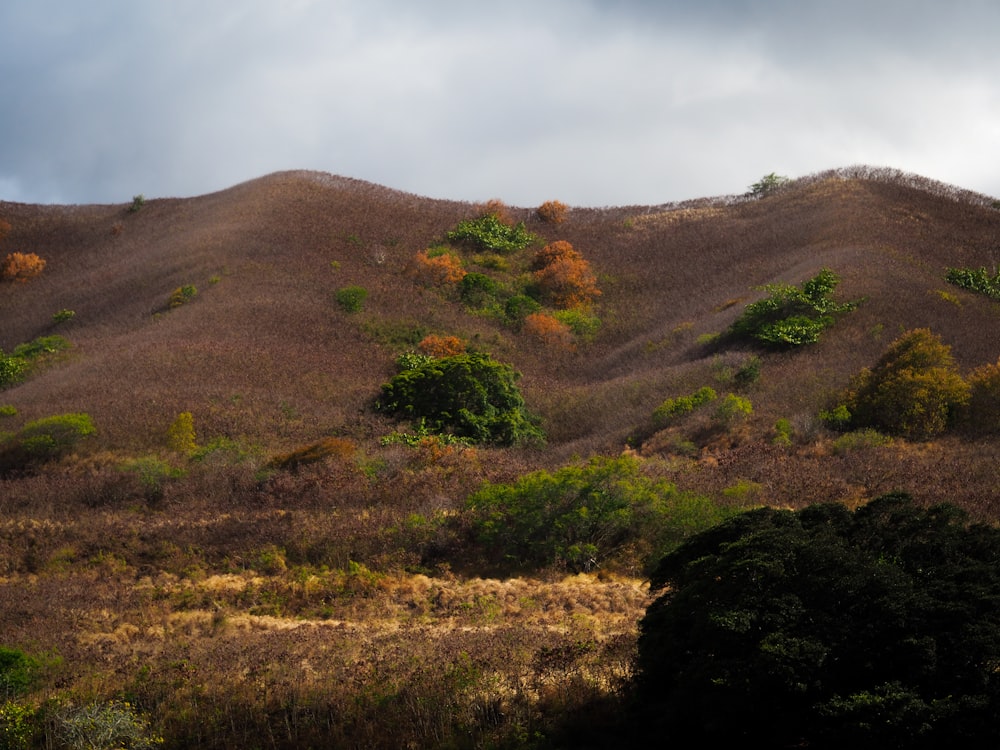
column 21, row 266
column 441, row 346
column 564, row 277
column 552, row 212
column 437, row 270
column 549, row 330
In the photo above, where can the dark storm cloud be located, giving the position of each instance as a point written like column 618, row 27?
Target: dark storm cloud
column 593, row 103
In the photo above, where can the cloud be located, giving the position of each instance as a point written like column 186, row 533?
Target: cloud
column 593, row 103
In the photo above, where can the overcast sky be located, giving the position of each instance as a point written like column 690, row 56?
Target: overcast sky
column 591, row 102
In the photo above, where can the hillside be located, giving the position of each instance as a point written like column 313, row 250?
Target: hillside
column 147, row 571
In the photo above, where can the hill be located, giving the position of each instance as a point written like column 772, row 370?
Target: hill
column 159, row 560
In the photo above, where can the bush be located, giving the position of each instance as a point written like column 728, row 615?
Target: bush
column 16, row 366
column 733, row 409
column 62, row 316
column 552, row 212
column 181, row 435
column 477, row 289
column 914, row 390
column 517, row 308
column 767, row 184
column 115, row 724
column 468, row 395
column 352, row 298
column 581, row 517
column 44, row 440
column 976, row 280
column 564, row 277
column 437, row 270
column 182, row 295
column 828, row 629
column 548, row 329
column 981, row 416
column 17, row 672
column 790, row 315
column 21, row 266
column 673, row 408
column 492, row 234
column 441, row 346
column 138, row 201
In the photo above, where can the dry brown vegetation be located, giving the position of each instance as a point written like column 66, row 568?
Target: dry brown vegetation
column 293, row 580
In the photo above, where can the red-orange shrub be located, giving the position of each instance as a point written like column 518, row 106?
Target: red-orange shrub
column 496, row 207
column 441, row 346
column 552, row 212
column 438, row 269
column 564, row 277
column 547, row 329
column 21, row 266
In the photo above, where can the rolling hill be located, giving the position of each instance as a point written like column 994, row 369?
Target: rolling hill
column 279, row 594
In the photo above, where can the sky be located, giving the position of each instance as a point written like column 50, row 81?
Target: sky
column 590, row 102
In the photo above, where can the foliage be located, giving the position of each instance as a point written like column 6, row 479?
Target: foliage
column 181, row 434
column 352, row 298
column 790, row 315
column 733, row 409
column 552, row 212
column 17, row 725
column 441, row 346
column 152, row 473
column 469, row 395
column 12, row 369
column 62, row 316
column 982, row 414
column 517, row 308
column 581, row 322
column 580, row 517
column 673, row 408
column 548, row 329
column 828, row 629
column 859, row 440
column 490, row 233
column 437, row 270
column 477, row 289
column 783, row 433
column 564, row 277
column 44, row 440
column 767, row 184
column 182, row 295
column 138, row 201
column 101, row 726
column 17, row 672
column 976, row 280
column 21, row 266
column 914, row 390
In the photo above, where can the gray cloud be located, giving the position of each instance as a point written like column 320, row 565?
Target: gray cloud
column 593, row 103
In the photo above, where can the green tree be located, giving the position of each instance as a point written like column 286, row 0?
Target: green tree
column 914, row 390
column 792, row 315
column 468, row 395
column 828, row 629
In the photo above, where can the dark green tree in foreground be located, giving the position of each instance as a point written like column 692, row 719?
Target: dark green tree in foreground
column 824, row 628
column 467, row 395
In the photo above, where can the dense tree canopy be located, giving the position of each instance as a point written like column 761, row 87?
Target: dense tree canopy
column 828, row 629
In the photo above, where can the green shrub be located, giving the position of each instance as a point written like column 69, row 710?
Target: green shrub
column 8, row 410
column 469, row 395
column 580, row 321
column 12, row 369
column 138, row 201
column 44, row 440
column 859, row 440
column 519, row 307
column 976, row 280
column 914, row 390
column 490, row 233
column 17, row 672
column 606, row 510
column 62, row 316
column 733, row 409
column 673, row 408
column 182, row 295
column 783, row 433
column 767, row 184
column 791, row 316
column 352, row 298
column 477, row 289
column 17, row 725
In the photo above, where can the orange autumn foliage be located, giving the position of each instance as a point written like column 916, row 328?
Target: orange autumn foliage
column 21, row 266
column 552, row 212
column 564, row 277
column 547, row 329
column 437, row 270
column 496, row 207
column 441, row 346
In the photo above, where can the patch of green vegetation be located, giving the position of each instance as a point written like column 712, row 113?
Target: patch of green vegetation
column 468, row 395
column 352, row 298
column 17, row 365
column 489, row 233
column 182, row 295
column 581, row 517
column 792, row 315
column 976, row 280
column 674, row 408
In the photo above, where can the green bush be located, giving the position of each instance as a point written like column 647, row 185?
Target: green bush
column 673, row 408
column 767, row 184
column 468, row 395
column 733, row 409
column 17, row 672
column 63, row 315
column 44, row 440
column 352, row 298
column 491, row 234
column 182, row 295
column 826, row 628
column 138, row 201
column 16, row 366
column 519, row 307
column 606, row 510
column 17, row 725
column 976, row 280
column 914, row 390
column 477, row 289
column 792, row 316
